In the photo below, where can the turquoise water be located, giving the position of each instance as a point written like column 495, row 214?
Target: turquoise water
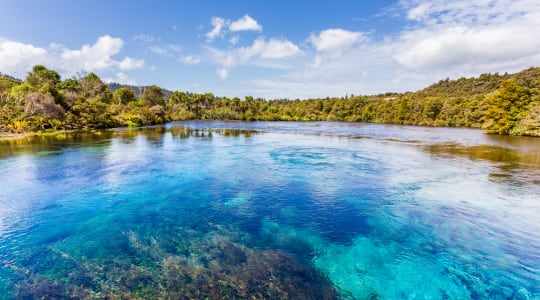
column 270, row 210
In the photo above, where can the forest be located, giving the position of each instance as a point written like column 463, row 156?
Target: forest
column 507, row 104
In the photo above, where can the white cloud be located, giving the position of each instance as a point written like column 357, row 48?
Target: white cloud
column 245, row 23
column 287, row 89
column 189, row 60
column 275, row 48
column 234, row 40
column 217, row 31
column 122, row 78
column 175, row 48
column 166, row 50
column 158, row 50
column 94, row 57
column 471, row 36
column 98, row 56
column 419, row 12
column 129, row 63
column 17, row 57
column 335, row 40
column 223, row 73
column 366, row 69
column 145, row 38
column 221, row 26
column 441, row 39
column 459, row 46
column 259, row 53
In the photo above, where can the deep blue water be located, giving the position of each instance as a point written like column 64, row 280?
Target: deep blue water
column 272, row 210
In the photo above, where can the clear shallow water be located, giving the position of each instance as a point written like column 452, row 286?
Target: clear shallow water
column 271, row 210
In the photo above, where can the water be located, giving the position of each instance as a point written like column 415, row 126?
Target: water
column 271, row 210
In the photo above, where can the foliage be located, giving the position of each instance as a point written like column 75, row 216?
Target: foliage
column 506, row 108
column 152, row 95
column 501, row 104
column 124, row 95
column 93, row 87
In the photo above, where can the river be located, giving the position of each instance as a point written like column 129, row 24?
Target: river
column 273, row 210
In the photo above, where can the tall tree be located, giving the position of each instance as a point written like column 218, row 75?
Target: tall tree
column 124, row 95
column 93, row 87
column 40, row 76
column 506, row 107
column 152, row 95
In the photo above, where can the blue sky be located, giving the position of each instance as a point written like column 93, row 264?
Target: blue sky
column 271, row 49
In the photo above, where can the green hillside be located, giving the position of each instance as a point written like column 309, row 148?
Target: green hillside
column 502, row 104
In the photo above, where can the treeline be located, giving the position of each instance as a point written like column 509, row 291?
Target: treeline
column 45, row 102
column 503, row 104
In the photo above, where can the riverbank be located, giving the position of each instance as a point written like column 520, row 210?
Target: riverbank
column 8, row 136
column 12, row 136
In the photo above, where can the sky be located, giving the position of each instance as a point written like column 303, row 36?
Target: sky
column 272, row 49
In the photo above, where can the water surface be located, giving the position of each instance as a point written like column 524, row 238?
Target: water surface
column 271, row 210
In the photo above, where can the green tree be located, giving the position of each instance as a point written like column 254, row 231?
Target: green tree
column 179, row 98
column 93, row 87
column 152, row 95
column 70, row 85
column 45, row 81
column 124, row 95
column 40, row 76
column 530, row 125
column 506, row 107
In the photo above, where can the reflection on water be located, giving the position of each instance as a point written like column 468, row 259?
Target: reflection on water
column 270, row 210
column 510, row 165
column 489, row 152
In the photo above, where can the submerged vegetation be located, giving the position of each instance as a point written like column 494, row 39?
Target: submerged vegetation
column 500, row 104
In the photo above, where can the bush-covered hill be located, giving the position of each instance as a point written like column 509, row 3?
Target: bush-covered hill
column 502, row 104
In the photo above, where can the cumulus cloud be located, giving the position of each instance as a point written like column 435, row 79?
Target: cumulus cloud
column 261, row 49
column 245, row 23
column 274, row 48
column 18, row 57
column 218, row 28
column 129, row 63
column 94, row 57
column 441, row 39
column 335, row 40
column 472, row 36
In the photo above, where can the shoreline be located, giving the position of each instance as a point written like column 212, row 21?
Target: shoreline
column 8, row 136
